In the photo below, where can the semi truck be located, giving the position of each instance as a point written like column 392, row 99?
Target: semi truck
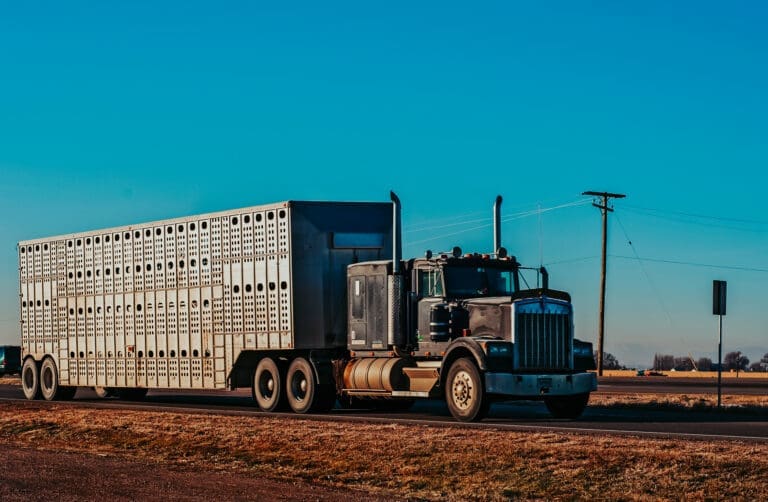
column 308, row 304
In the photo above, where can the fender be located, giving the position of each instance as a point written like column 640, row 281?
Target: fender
column 459, row 348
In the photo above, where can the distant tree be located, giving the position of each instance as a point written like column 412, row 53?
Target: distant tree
column 683, row 364
column 663, row 362
column 735, row 361
column 704, row 364
column 610, row 362
column 757, row 367
column 764, row 361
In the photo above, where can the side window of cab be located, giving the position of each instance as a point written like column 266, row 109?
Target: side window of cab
column 430, row 283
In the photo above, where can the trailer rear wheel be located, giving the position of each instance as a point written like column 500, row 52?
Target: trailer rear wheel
column 267, row 387
column 303, row 393
column 567, row 406
column 50, row 386
column 30, row 379
column 464, row 391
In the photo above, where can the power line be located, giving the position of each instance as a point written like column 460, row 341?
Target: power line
column 709, row 217
column 681, row 218
column 693, row 264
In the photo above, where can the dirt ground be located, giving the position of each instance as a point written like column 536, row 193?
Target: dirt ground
column 31, row 474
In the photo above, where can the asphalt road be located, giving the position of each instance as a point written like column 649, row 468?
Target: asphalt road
column 521, row 416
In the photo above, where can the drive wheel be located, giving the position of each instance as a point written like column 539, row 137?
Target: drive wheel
column 464, row 391
column 267, row 386
column 30, row 379
column 50, row 387
column 302, row 391
column 567, row 406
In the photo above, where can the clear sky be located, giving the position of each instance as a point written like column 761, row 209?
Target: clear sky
column 114, row 114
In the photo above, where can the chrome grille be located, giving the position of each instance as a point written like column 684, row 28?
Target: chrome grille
column 543, row 341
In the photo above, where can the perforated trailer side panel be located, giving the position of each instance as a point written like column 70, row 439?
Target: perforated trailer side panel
column 173, row 303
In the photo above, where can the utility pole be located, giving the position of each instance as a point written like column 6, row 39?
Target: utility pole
column 601, row 327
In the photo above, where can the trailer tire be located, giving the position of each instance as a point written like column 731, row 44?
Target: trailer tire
column 50, row 386
column 301, row 389
column 267, row 386
column 131, row 393
column 567, row 406
column 465, row 391
column 30, row 379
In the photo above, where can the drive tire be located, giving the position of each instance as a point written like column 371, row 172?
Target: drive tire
column 567, row 406
column 30, row 379
column 267, row 386
column 465, row 391
column 301, row 389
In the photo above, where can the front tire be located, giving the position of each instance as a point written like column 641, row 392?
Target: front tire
column 30, row 379
column 267, row 386
column 567, row 406
column 465, row 392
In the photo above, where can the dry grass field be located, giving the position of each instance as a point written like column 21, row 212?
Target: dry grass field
column 420, row 462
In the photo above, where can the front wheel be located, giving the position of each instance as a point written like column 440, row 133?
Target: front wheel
column 465, row 392
column 567, row 406
column 30, row 379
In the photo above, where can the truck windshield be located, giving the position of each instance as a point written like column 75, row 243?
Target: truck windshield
column 478, row 281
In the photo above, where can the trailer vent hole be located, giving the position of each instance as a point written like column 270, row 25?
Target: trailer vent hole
column 106, row 238
column 82, row 354
column 283, row 285
column 258, row 217
column 98, row 272
column 206, row 303
column 23, row 250
column 71, row 275
column 158, row 231
column 79, row 242
column 191, row 226
column 234, row 220
column 282, row 213
column 170, row 265
column 247, row 218
column 181, row 263
column 141, row 353
column 161, row 353
column 248, row 288
column 117, row 270
column 270, row 216
column 80, row 311
column 272, row 286
column 136, row 234
column 138, row 307
column 236, row 289
column 183, row 353
column 151, row 353
column 127, row 236
column 195, row 353
column 192, row 262
column 207, row 353
column 79, row 274
column 23, row 304
column 90, row 310
column 71, row 311
column 97, row 240
column 87, row 273
column 149, row 267
column 159, row 266
column 147, row 232
column 109, row 353
column 169, row 229
column 205, row 262
column 38, row 303
column 69, row 244
column 204, row 225
column 117, row 237
column 107, row 271
column 72, row 355
column 259, row 287
column 180, row 228
column 173, row 353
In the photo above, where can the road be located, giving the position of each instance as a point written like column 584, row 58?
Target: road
column 506, row 416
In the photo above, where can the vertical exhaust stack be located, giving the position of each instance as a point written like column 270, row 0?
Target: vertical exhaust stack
column 497, row 224
column 395, row 290
column 396, row 233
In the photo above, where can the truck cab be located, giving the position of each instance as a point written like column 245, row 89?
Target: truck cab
column 466, row 331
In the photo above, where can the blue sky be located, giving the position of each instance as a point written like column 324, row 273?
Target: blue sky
column 114, row 114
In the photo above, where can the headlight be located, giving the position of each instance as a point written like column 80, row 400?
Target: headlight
column 497, row 349
column 582, row 349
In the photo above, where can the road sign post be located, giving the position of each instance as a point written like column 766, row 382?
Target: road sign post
column 718, row 308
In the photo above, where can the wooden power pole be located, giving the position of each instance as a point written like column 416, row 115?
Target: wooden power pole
column 601, row 327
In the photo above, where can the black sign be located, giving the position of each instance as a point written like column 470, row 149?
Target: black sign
column 718, row 297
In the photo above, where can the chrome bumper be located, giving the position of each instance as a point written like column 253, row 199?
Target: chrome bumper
column 539, row 385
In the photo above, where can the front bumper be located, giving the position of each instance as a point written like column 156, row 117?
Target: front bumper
column 538, row 386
